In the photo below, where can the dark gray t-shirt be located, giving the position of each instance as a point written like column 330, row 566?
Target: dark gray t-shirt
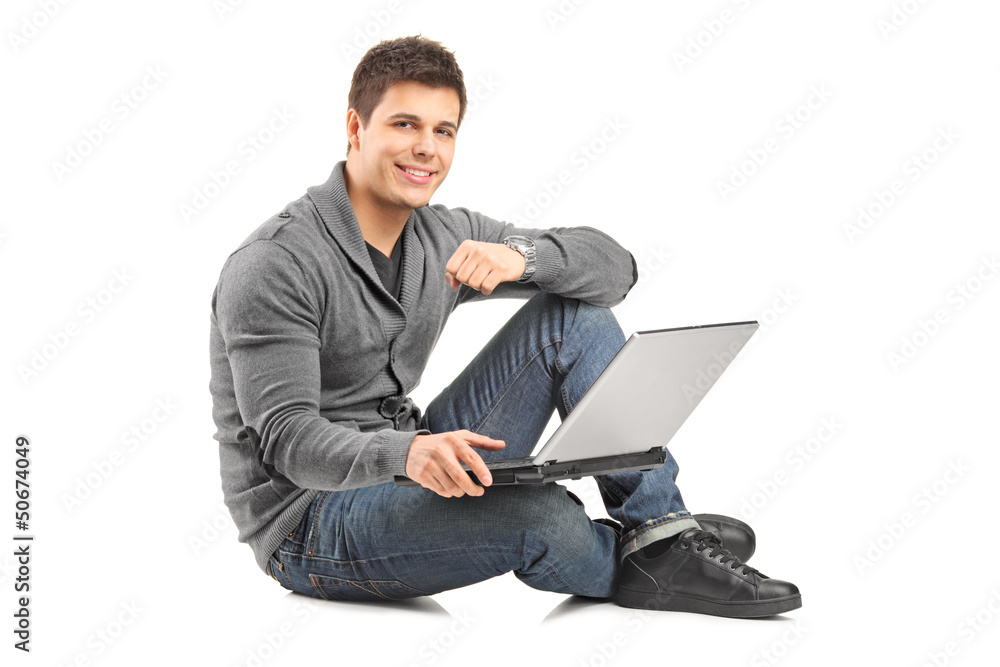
column 388, row 267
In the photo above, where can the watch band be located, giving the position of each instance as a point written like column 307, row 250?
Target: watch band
column 526, row 247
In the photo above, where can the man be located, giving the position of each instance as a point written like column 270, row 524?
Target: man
column 322, row 323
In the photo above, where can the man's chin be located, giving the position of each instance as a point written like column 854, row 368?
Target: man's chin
column 414, row 197
column 417, row 202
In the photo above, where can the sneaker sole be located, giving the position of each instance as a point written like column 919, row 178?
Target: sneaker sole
column 750, row 609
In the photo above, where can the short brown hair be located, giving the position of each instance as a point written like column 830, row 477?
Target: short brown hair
column 413, row 58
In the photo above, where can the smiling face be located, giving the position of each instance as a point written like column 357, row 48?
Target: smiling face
column 402, row 156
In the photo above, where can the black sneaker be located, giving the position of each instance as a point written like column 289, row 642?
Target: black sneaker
column 697, row 574
column 737, row 537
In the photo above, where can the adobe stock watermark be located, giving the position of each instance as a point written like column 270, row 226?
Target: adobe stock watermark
column 561, row 12
column 957, row 298
column 246, row 152
column 32, row 24
column 795, row 459
column 107, row 635
column 707, row 35
column 223, row 8
column 787, row 126
column 580, row 160
column 130, row 440
column 370, row 32
column 210, row 530
column 122, row 106
column 780, row 647
column 899, row 15
column 433, row 649
column 651, row 263
column 912, row 169
column 87, row 310
column 923, row 501
column 970, row 627
column 695, row 390
column 782, row 302
column 271, row 642
column 479, row 92
column 602, row 652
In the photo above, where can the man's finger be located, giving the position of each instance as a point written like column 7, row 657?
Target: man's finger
column 478, row 277
column 478, row 466
column 456, row 260
column 464, row 273
column 479, row 440
column 460, row 477
column 448, row 488
column 433, row 482
column 490, row 283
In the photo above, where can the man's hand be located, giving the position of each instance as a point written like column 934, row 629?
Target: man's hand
column 482, row 266
column 435, row 462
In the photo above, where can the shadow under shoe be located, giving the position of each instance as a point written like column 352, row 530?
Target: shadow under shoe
column 697, row 574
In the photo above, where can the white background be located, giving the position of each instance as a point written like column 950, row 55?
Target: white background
column 152, row 535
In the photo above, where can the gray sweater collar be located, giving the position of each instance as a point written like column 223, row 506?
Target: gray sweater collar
column 334, row 207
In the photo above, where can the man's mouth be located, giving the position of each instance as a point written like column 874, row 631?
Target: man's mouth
column 415, row 175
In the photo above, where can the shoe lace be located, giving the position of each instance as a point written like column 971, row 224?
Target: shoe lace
column 707, row 540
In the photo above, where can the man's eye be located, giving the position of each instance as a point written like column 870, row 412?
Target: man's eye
column 446, row 132
column 403, row 122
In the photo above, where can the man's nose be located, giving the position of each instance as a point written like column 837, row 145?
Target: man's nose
column 424, row 144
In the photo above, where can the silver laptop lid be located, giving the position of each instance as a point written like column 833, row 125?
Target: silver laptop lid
column 645, row 394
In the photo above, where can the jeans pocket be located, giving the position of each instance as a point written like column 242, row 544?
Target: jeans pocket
column 336, row 588
column 279, row 573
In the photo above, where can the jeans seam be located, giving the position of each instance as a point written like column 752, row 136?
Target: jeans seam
column 356, row 584
column 553, row 571
column 312, row 523
column 361, row 581
column 563, row 391
column 514, row 377
column 281, row 576
column 614, row 488
column 490, row 547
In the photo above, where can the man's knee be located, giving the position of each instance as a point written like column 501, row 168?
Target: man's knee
column 532, row 505
column 555, row 515
column 597, row 323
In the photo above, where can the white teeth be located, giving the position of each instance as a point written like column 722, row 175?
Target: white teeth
column 416, row 172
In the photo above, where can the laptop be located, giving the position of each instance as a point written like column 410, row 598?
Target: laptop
column 633, row 409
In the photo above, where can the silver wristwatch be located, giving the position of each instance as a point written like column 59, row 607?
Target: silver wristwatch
column 526, row 247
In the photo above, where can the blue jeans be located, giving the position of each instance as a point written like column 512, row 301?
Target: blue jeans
column 389, row 542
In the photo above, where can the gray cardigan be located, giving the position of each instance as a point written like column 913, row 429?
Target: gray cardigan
column 312, row 360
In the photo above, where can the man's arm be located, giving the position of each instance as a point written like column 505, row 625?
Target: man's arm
column 268, row 316
column 579, row 262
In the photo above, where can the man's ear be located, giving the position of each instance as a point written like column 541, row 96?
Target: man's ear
column 354, row 128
